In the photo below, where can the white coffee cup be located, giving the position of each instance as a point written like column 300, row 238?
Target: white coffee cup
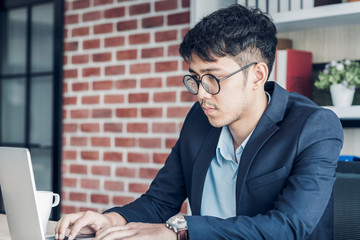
column 45, row 201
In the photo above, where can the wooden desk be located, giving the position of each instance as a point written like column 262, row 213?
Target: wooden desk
column 4, row 230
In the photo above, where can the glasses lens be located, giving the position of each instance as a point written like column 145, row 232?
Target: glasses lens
column 191, row 85
column 210, row 84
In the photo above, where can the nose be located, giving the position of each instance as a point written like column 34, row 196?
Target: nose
column 203, row 94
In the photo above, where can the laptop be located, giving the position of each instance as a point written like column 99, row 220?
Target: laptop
column 18, row 191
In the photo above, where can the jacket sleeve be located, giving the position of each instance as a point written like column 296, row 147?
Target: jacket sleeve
column 301, row 204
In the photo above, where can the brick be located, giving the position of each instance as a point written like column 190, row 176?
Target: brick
column 100, row 142
column 70, row 73
column 113, row 127
column 184, row 32
column 91, row 44
column 137, row 127
column 101, row 170
column 173, row 50
column 90, row 127
column 102, row 57
column 152, row 52
column 165, row 97
column 69, row 100
column 151, row 112
column 84, row 209
column 115, row 70
column 122, row 200
column 140, row 68
column 79, row 113
column 126, row 25
column 138, row 187
column 71, row 46
column 113, row 156
column 166, row 36
column 89, row 155
column 185, row 3
column 114, row 41
column 149, row 173
column 102, row 2
column 79, row 4
column 80, row 86
column 140, row 9
column 170, row 142
column 138, row 157
column 114, row 185
column 126, row 54
column 160, row 157
column 102, row 85
column 90, row 100
column 166, row 66
column 68, row 182
column 178, row 18
column 164, row 127
column 77, row 197
column 126, row 83
column 78, row 141
column 79, row 169
column 177, row 111
column 65, row 60
column 141, row 38
column 187, row 97
column 165, row 5
column 115, row 98
column 99, row 198
column 69, row 127
column 138, row 97
column 102, row 113
column 125, row 142
column 90, row 183
column 65, row 209
column 80, row 59
column 71, row 19
column 150, row 142
column 151, row 83
column 103, row 28
column 126, row 112
column 91, row 16
column 91, row 71
column 152, row 22
column 125, row 172
column 82, row 31
column 175, row 81
column 68, row 155
column 114, row 12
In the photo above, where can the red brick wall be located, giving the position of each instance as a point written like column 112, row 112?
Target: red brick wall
column 124, row 101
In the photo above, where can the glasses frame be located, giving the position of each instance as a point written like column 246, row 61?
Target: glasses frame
column 217, row 80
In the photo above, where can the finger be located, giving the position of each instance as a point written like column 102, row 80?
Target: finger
column 64, row 223
column 87, row 219
column 117, row 232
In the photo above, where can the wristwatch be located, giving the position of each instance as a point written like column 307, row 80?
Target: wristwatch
column 179, row 225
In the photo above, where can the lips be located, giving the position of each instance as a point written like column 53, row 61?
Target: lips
column 208, row 110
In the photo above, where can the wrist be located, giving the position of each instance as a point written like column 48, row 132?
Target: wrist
column 178, row 224
column 115, row 219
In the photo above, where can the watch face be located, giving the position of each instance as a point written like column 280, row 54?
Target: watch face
column 177, row 223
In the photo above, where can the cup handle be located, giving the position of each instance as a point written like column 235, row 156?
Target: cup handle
column 56, row 199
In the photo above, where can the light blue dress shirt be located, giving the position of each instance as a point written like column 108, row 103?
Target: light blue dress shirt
column 218, row 197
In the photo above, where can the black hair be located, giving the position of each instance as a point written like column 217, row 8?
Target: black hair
column 246, row 34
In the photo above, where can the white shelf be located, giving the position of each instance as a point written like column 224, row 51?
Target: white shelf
column 318, row 17
column 346, row 113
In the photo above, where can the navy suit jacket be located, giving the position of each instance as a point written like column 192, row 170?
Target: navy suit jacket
column 284, row 183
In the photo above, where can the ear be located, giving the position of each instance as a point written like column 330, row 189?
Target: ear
column 261, row 72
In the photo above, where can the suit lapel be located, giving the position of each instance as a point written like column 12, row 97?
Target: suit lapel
column 201, row 167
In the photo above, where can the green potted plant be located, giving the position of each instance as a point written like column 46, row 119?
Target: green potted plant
column 342, row 78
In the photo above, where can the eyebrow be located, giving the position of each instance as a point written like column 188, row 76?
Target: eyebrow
column 206, row 70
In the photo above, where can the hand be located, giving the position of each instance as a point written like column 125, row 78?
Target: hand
column 86, row 222
column 137, row 231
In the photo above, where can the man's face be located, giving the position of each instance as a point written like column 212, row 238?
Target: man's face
column 234, row 100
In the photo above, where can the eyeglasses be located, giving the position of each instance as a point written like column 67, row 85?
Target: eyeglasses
column 209, row 82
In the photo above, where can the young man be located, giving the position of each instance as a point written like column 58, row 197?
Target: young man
column 255, row 161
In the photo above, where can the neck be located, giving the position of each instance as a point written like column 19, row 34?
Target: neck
column 241, row 128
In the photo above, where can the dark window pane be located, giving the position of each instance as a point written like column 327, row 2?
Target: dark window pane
column 42, row 38
column 13, row 110
column 14, row 44
column 41, row 115
column 42, row 167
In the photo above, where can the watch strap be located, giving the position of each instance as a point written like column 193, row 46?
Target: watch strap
column 182, row 234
